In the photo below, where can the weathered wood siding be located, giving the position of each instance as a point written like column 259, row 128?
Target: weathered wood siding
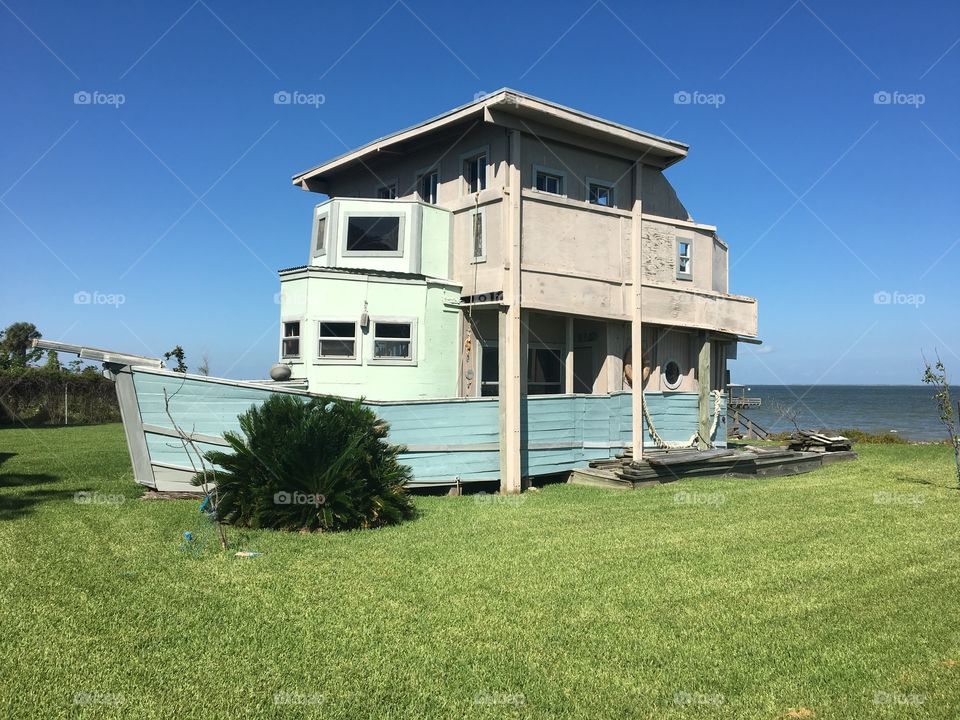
column 445, row 439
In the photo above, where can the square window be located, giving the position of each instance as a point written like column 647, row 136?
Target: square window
column 392, row 340
column 544, row 371
column 291, row 339
column 370, row 234
column 600, row 194
column 549, row 182
column 338, row 340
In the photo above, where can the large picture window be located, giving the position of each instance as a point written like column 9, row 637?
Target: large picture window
column 338, row 340
column 373, row 234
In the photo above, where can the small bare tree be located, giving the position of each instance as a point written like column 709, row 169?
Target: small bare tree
column 788, row 412
column 936, row 375
column 204, row 367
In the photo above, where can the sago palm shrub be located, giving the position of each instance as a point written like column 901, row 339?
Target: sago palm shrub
column 310, row 464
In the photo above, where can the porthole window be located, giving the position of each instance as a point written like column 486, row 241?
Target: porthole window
column 671, row 375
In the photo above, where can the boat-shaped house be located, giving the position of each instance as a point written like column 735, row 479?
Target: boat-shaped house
column 496, row 282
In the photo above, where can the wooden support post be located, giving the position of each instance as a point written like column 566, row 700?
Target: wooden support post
column 511, row 346
column 568, row 363
column 636, row 307
column 703, row 380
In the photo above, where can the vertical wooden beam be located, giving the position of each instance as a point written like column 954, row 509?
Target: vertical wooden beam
column 511, row 345
column 636, row 307
column 568, row 363
column 703, row 380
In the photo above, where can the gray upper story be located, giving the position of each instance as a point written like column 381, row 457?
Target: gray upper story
column 585, row 183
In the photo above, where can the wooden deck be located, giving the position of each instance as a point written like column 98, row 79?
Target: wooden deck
column 660, row 467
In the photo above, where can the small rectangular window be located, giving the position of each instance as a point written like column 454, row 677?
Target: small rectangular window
column 684, row 259
column 549, row 182
column 291, row 339
column 321, row 239
column 428, row 186
column 475, row 172
column 489, row 371
column 338, row 340
column 373, row 234
column 544, row 371
column 387, row 192
column 392, row 340
column 600, row 194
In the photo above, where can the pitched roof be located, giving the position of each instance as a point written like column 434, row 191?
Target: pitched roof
column 496, row 108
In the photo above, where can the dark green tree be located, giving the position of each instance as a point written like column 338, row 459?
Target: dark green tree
column 16, row 349
column 310, row 464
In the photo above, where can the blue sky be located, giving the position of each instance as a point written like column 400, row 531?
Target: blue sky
column 177, row 201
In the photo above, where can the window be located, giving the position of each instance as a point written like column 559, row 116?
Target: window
column 338, row 340
column 489, row 371
column 684, row 259
column 600, row 193
column 475, row 172
column 428, row 185
column 291, row 339
column 544, row 371
column 479, row 235
column 548, row 181
column 393, row 341
column 320, row 236
column 387, row 192
column 671, row 375
column 373, row 234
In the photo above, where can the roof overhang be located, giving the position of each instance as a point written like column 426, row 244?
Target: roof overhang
column 511, row 109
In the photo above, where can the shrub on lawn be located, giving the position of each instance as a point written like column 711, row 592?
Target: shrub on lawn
column 317, row 464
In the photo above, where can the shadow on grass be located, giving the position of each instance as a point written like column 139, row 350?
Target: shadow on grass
column 22, row 501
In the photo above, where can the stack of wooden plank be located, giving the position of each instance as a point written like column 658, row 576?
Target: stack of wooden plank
column 810, row 441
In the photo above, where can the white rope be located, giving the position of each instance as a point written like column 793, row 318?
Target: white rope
column 666, row 445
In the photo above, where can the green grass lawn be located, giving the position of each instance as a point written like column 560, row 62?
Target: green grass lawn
column 748, row 599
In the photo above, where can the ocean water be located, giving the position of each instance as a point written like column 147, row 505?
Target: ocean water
column 907, row 409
